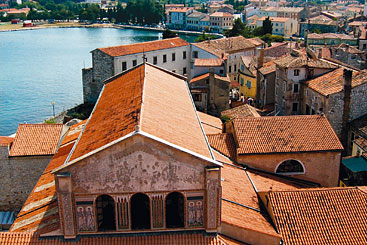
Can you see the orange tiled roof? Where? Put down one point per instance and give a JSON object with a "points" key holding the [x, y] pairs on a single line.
{"points": [[258, 135], [167, 113], [180, 10], [332, 82], [211, 124], [208, 62], [40, 212], [361, 142], [224, 143], [206, 75], [144, 47], [221, 14], [291, 61], [321, 216], [36, 139], [241, 111], [6, 141], [221, 47], [23, 238], [73, 132]]}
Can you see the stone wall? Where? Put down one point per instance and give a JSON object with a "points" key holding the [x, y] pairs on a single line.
{"points": [[18, 176], [103, 68]]}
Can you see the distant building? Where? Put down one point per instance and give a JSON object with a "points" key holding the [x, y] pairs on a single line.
{"points": [[210, 92], [320, 23], [193, 21], [177, 17], [315, 39], [281, 26], [220, 21], [172, 54], [283, 12]]}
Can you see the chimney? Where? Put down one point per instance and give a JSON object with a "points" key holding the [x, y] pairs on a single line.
{"points": [[347, 77], [260, 59]]}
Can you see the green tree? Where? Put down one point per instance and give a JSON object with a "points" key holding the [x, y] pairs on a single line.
{"points": [[237, 29], [267, 27], [205, 36], [169, 34], [258, 31]]}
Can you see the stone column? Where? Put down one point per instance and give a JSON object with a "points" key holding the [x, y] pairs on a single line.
{"points": [[213, 196], [66, 212]]}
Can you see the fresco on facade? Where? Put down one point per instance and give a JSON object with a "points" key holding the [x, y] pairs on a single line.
{"points": [[85, 218], [195, 216]]}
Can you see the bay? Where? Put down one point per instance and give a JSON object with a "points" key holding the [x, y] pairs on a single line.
{"points": [[38, 67]]}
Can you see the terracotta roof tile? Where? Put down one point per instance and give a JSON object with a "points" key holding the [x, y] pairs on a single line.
{"points": [[180, 10], [116, 113], [36, 139], [277, 50], [333, 82], [221, 47], [211, 124], [221, 14], [206, 75], [241, 111], [285, 134], [268, 67], [6, 141], [224, 143], [73, 132], [24, 238], [275, 19], [168, 113], [291, 61], [361, 142], [40, 211], [144, 47], [208, 62], [321, 216], [256, 41]]}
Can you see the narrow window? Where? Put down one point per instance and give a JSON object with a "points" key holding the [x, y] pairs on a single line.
{"points": [[124, 66], [155, 60], [294, 107], [173, 56], [229, 69], [105, 213], [296, 72], [221, 71], [295, 88], [195, 54], [164, 58], [140, 212], [196, 97], [135, 62], [175, 210], [284, 86], [184, 71], [235, 68], [184, 55]]}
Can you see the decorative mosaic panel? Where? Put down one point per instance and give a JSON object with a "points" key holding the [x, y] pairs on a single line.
{"points": [[195, 211], [85, 216]]}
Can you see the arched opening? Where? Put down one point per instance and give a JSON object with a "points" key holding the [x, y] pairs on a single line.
{"points": [[140, 212], [175, 210], [106, 213], [290, 167]]}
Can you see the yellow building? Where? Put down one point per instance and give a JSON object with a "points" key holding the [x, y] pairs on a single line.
{"points": [[247, 77]]}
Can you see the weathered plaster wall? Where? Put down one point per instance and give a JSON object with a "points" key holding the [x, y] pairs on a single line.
{"points": [[319, 166], [137, 165], [18, 176]]}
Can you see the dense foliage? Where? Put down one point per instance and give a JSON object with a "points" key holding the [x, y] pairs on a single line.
{"points": [[136, 11], [264, 32], [169, 34], [205, 36]]}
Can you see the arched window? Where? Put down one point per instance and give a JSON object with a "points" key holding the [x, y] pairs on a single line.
{"points": [[140, 212], [290, 167], [175, 210], [105, 213]]}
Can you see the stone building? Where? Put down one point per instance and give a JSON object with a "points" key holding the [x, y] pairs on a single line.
{"points": [[210, 93], [172, 54], [139, 173], [220, 21], [23, 159], [291, 72], [322, 23], [329, 94]]}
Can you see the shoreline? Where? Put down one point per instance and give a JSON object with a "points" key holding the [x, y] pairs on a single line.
{"points": [[19, 27]]}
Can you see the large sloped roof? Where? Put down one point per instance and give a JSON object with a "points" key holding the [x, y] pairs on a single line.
{"points": [[321, 216], [144, 47], [135, 101], [258, 135], [333, 82], [36, 139]]}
